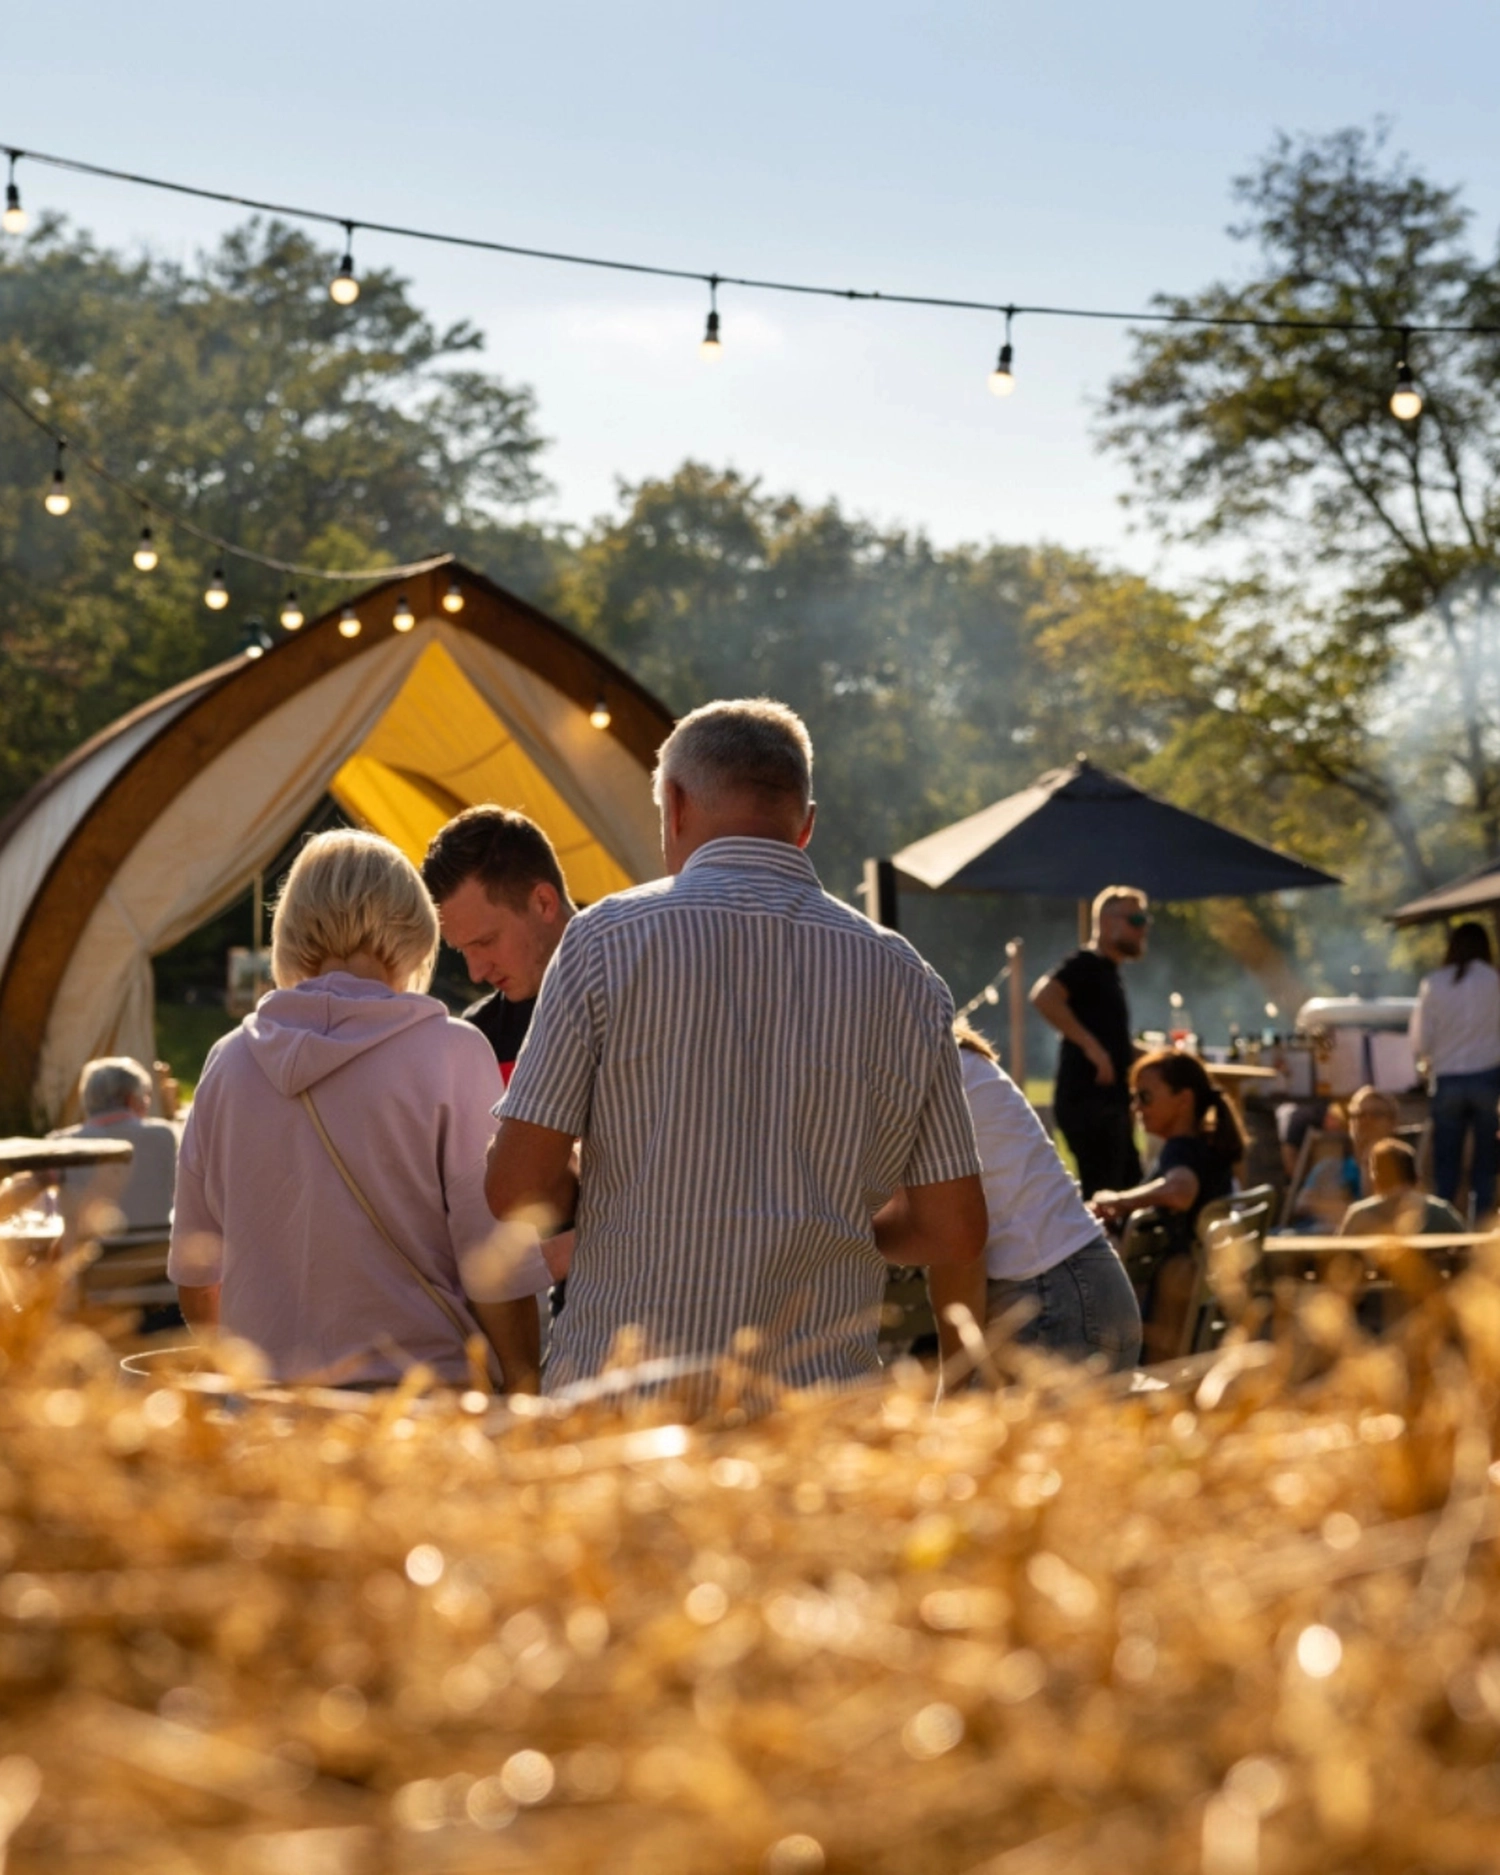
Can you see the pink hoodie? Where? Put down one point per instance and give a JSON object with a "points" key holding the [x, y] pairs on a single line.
{"points": [[405, 1093]]}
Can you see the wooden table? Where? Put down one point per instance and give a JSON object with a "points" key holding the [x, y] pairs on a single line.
{"points": [[60, 1155]]}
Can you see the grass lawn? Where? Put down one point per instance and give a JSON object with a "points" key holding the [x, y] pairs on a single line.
{"points": [[184, 1034]]}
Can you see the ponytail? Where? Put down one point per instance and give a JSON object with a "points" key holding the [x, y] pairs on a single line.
{"points": [[1215, 1119]]}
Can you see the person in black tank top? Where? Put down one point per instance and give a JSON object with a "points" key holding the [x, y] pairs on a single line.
{"points": [[1201, 1145]]}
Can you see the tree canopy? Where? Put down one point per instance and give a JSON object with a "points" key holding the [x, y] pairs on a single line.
{"points": [[1358, 632]]}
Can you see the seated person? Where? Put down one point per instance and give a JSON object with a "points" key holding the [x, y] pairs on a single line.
{"points": [[1373, 1116], [1201, 1145], [115, 1094], [1045, 1247], [330, 1199], [1332, 1182], [1399, 1208]]}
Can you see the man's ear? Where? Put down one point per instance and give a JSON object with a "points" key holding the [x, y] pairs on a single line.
{"points": [[545, 901], [674, 802], [807, 826]]}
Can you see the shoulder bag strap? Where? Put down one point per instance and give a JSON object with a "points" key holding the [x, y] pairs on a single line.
{"points": [[465, 1328]]}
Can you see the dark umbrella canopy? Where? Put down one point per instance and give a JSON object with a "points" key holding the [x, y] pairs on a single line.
{"points": [[1079, 829], [1475, 891]]}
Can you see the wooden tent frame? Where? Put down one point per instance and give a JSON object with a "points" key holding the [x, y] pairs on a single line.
{"points": [[227, 702]]}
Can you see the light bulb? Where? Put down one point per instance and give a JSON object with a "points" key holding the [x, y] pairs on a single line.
{"points": [[711, 347], [255, 649], [343, 288], [145, 555], [453, 598], [1002, 378], [57, 500], [1406, 399], [291, 613], [404, 617], [349, 625], [216, 594], [14, 219], [599, 714]]}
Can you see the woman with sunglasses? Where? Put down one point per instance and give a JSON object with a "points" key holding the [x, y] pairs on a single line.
{"points": [[1201, 1145]]}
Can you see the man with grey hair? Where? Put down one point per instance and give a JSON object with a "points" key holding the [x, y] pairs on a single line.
{"points": [[765, 1085], [115, 1093]]}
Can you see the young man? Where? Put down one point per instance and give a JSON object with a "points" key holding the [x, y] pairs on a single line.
{"points": [[502, 902], [765, 1084], [1084, 1000]]}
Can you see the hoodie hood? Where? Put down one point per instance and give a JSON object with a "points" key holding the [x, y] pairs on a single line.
{"points": [[300, 1036]]}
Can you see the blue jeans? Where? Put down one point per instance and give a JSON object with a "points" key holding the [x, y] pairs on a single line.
{"points": [[1081, 1306], [1463, 1103]]}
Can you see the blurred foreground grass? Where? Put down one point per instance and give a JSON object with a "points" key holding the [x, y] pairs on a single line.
{"points": [[1246, 1622]]}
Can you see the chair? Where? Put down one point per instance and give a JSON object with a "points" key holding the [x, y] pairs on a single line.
{"points": [[1226, 1251], [1318, 1144]]}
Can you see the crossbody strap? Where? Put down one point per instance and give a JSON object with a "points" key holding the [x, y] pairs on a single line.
{"points": [[465, 1328]]}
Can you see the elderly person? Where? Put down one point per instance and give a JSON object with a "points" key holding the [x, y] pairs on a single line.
{"points": [[1455, 1029], [764, 1082], [115, 1093], [330, 1199], [1045, 1249], [1399, 1208]]}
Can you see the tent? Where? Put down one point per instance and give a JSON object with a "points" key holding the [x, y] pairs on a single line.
{"points": [[165, 818], [1477, 891], [1079, 829]]}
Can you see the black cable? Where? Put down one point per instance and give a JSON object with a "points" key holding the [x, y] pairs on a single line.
{"points": [[170, 515], [754, 284]]}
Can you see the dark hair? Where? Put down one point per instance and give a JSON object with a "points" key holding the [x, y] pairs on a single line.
{"points": [[507, 853], [1212, 1114], [1468, 943], [1398, 1156]]}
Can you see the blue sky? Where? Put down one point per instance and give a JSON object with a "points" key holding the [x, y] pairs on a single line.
{"points": [[1076, 153]]}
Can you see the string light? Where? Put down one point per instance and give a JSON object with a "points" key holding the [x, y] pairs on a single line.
{"points": [[255, 640], [1003, 378], [599, 715], [1406, 399], [291, 613], [57, 500], [349, 625], [404, 617], [216, 593], [453, 598], [343, 288], [711, 347], [145, 556], [14, 219]]}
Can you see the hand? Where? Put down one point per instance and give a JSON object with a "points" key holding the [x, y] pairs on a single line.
{"points": [[557, 1254], [1106, 1206], [167, 1090], [1104, 1067]]}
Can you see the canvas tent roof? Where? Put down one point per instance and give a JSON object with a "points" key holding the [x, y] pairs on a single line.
{"points": [[163, 819], [1474, 891]]}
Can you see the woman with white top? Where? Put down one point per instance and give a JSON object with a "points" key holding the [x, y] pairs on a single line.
{"points": [[1455, 1029], [1045, 1248]]}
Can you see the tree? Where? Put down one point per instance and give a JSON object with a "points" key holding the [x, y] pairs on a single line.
{"points": [[236, 393], [1367, 543]]}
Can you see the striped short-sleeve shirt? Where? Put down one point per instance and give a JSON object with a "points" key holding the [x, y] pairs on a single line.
{"points": [[753, 1068]]}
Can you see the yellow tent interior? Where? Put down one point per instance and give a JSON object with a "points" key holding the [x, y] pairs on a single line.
{"points": [[163, 819]]}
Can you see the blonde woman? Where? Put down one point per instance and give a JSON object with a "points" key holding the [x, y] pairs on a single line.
{"points": [[330, 1189]]}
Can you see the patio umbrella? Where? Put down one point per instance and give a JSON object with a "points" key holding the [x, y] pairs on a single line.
{"points": [[1079, 829], [1475, 891]]}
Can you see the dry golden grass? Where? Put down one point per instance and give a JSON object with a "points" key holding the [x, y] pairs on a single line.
{"points": [[1246, 1623]]}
